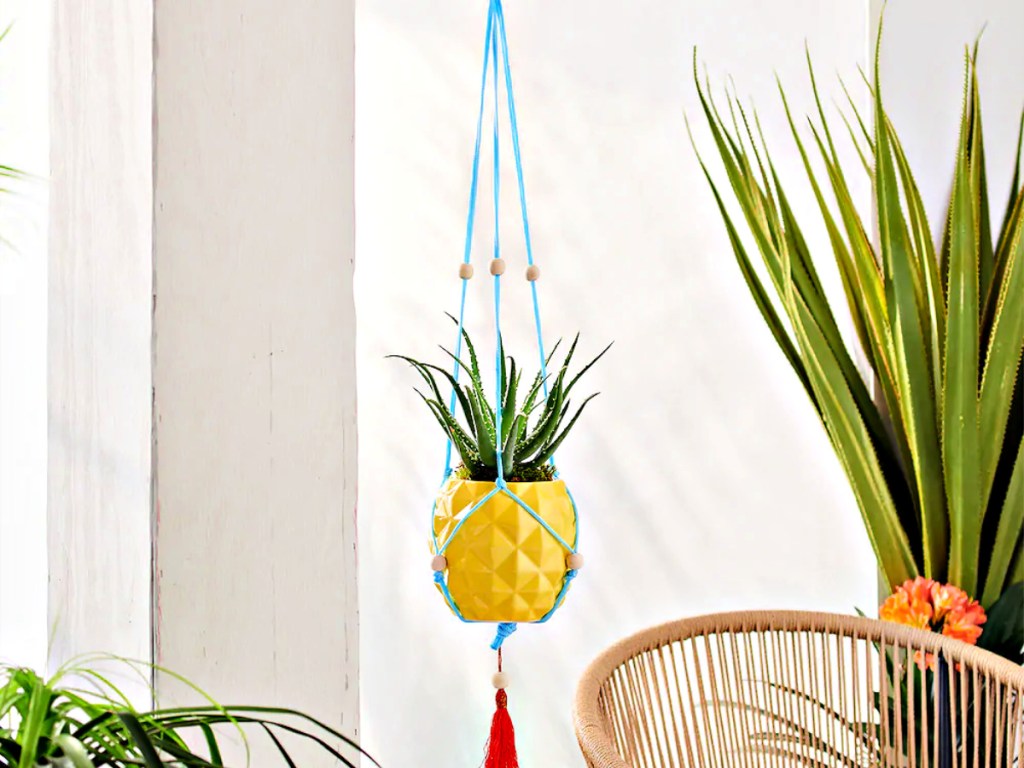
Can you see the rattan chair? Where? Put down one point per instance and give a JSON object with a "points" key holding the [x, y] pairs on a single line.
{"points": [[780, 688]]}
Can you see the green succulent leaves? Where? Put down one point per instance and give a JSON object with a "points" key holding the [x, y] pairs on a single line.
{"points": [[935, 459], [532, 426]]}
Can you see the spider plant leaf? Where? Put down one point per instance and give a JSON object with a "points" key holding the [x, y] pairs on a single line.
{"points": [[74, 751], [1008, 534], [960, 438], [1003, 358], [911, 344], [280, 747], [549, 450], [140, 739], [30, 730], [211, 744]]}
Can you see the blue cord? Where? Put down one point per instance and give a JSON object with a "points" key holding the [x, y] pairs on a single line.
{"points": [[495, 39], [468, 250]]}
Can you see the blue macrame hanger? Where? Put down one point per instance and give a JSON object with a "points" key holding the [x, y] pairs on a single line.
{"points": [[495, 44]]}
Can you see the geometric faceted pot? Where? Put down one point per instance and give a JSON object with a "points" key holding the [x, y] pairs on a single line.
{"points": [[502, 565]]}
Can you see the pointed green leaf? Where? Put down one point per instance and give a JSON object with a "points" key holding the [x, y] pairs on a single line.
{"points": [[960, 438], [913, 368]]}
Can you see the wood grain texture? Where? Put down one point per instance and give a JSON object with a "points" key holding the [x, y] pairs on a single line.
{"points": [[100, 333], [255, 353]]}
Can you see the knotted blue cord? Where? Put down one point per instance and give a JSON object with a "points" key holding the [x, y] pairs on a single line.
{"points": [[467, 252], [495, 39], [505, 629]]}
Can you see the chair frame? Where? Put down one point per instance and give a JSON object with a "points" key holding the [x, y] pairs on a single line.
{"points": [[592, 716]]}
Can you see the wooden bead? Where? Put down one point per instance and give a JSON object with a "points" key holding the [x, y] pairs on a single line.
{"points": [[532, 272], [574, 561], [439, 563], [497, 266], [465, 271], [500, 680]]}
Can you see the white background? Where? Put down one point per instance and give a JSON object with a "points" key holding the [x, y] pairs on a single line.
{"points": [[24, 134], [704, 480]]}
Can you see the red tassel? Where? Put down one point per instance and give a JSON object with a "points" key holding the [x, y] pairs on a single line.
{"points": [[501, 746]]}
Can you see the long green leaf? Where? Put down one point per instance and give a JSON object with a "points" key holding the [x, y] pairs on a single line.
{"points": [[913, 367], [485, 435], [1003, 358], [758, 292], [31, 728], [74, 751], [960, 438], [508, 410], [1008, 534], [852, 441], [149, 755]]}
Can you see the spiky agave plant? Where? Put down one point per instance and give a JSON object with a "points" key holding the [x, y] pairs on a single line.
{"points": [[533, 425], [937, 462]]}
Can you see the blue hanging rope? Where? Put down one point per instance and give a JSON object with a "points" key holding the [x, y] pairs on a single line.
{"points": [[495, 41], [514, 123], [468, 250], [499, 359]]}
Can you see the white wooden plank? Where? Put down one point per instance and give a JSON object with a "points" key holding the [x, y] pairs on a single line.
{"points": [[255, 353], [100, 333]]}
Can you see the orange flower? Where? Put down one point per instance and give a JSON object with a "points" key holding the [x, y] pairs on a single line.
{"points": [[926, 604], [923, 660], [910, 604], [964, 621]]}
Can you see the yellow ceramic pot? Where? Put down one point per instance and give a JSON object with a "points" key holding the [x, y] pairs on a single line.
{"points": [[502, 564]]}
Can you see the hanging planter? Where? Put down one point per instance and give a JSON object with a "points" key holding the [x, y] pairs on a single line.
{"points": [[504, 565], [504, 528]]}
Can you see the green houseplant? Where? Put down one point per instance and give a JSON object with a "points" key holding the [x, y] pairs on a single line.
{"points": [[79, 718], [936, 462], [504, 525], [533, 421]]}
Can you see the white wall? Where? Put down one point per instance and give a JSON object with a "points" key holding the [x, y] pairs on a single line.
{"points": [[704, 480], [24, 143]]}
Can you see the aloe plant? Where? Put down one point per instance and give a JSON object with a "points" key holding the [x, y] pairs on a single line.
{"points": [[936, 460], [79, 718], [534, 422]]}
